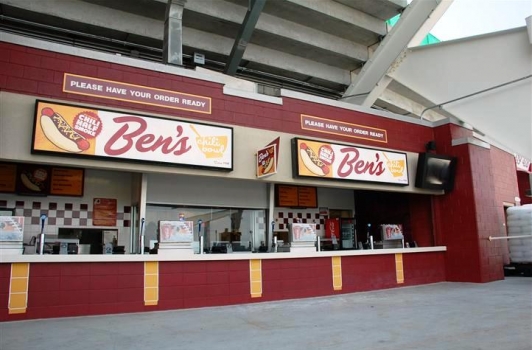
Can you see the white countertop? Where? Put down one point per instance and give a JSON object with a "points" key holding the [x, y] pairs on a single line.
{"points": [[53, 258]]}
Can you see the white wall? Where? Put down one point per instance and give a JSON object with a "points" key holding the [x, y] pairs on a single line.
{"points": [[211, 192], [450, 70]]}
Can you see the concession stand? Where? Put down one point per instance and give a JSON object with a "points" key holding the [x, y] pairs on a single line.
{"points": [[138, 190]]}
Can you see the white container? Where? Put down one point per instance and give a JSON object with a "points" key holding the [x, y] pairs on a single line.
{"points": [[519, 221]]}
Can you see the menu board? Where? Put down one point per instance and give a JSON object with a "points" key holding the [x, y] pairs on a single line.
{"points": [[41, 180], [33, 179], [8, 177], [296, 196], [307, 197], [67, 182]]}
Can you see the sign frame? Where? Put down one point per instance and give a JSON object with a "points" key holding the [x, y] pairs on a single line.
{"points": [[55, 168], [192, 137], [379, 164], [115, 90], [281, 188], [268, 156]]}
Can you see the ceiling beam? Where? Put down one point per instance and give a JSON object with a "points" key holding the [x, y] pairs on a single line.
{"points": [[244, 34], [278, 30], [342, 13], [413, 108], [393, 44]]}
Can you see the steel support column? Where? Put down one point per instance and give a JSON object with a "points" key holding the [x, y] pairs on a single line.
{"points": [[368, 84], [244, 34], [173, 32]]}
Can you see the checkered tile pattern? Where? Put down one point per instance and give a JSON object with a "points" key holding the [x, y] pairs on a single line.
{"points": [[260, 220], [305, 216], [59, 214]]}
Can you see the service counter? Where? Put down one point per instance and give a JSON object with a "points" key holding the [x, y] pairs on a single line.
{"points": [[44, 286]]}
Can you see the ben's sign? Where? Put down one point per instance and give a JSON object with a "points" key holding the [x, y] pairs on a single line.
{"points": [[88, 132], [345, 162]]}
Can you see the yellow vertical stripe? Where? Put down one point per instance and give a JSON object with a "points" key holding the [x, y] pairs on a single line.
{"points": [[151, 282], [399, 271], [255, 278], [18, 288], [337, 272]]}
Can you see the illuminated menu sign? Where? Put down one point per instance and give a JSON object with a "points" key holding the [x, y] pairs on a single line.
{"points": [[296, 196], [41, 180], [8, 177], [67, 182]]}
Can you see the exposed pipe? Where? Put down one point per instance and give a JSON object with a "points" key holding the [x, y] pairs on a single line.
{"points": [[69, 31], [355, 95], [473, 94], [490, 238]]}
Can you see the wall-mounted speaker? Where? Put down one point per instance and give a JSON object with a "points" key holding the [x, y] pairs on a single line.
{"points": [[431, 146]]}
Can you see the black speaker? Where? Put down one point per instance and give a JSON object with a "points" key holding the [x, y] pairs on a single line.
{"points": [[431, 146]]}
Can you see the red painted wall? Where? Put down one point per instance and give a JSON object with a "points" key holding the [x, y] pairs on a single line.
{"points": [[423, 268], [506, 188], [5, 276], [40, 73], [200, 284], [80, 289], [296, 278], [474, 210], [76, 289], [366, 272], [421, 220], [455, 213], [523, 180]]}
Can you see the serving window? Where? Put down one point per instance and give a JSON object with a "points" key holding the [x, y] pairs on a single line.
{"points": [[224, 230]]}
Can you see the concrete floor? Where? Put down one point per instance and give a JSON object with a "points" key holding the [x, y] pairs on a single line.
{"points": [[462, 316]]}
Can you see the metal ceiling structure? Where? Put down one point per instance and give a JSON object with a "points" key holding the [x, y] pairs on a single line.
{"points": [[313, 46], [337, 49]]}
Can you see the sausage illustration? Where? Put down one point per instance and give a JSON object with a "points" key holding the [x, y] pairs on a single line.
{"points": [[28, 183], [312, 162], [60, 133], [268, 166]]}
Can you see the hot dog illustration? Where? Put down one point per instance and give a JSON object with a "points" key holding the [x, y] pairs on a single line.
{"points": [[312, 162], [26, 181], [60, 133], [268, 166]]}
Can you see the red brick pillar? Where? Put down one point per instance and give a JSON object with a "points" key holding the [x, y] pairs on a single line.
{"points": [[467, 216]]}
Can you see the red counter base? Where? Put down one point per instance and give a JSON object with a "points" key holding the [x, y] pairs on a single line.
{"points": [[65, 289]]}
